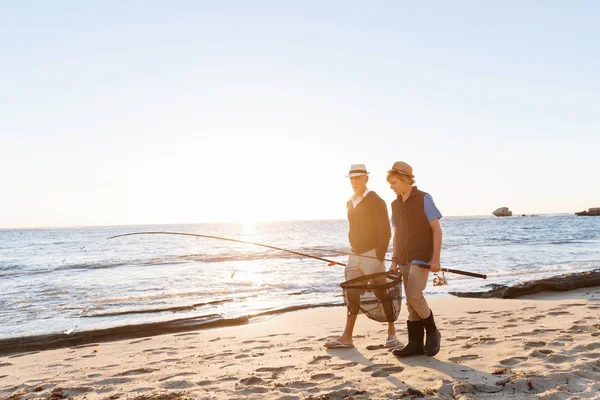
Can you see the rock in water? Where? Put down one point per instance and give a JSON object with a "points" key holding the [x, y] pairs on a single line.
{"points": [[559, 283], [591, 212], [502, 212]]}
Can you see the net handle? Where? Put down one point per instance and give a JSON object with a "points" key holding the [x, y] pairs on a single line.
{"points": [[388, 274]]}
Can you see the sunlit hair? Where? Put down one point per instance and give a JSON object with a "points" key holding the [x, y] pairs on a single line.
{"points": [[402, 177]]}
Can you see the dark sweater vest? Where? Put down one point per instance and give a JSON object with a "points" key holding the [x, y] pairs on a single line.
{"points": [[369, 225], [413, 235]]}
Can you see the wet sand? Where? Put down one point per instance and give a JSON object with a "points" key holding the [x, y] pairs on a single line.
{"points": [[543, 346]]}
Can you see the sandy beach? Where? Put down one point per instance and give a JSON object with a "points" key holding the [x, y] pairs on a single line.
{"points": [[543, 346]]}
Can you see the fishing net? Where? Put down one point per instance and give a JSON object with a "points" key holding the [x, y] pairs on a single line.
{"points": [[378, 296]]}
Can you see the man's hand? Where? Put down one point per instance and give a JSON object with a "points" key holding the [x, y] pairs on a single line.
{"points": [[434, 265]]}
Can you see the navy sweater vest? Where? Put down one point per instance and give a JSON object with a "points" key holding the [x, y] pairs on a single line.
{"points": [[369, 225]]}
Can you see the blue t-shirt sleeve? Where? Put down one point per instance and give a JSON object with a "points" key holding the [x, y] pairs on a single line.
{"points": [[431, 210]]}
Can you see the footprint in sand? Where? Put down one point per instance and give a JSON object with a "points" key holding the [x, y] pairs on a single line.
{"points": [[564, 338], [540, 353], [375, 367], [183, 384], [75, 391], [5, 364], [559, 313], [261, 347], [318, 359], [112, 381], [535, 343], [464, 357], [337, 367], [225, 353], [296, 348], [176, 375], [559, 358], [255, 341], [278, 334], [299, 385], [275, 371], [454, 339], [88, 356], [375, 347], [578, 329], [254, 389], [138, 371], [253, 380], [512, 361], [320, 377]]}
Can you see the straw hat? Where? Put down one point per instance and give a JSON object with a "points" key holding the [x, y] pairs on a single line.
{"points": [[402, 168], [357, 170]]}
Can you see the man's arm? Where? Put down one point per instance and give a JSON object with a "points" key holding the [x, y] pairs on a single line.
{"points": [[437, 245]]}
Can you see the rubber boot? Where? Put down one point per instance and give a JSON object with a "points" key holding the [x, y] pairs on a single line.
{"points": [[414, 347], [434, 337]]}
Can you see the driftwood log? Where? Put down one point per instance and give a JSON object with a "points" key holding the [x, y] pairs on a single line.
{"points": [[558, 283]]}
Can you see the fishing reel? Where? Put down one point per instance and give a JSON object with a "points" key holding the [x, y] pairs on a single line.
{"points": [[439, 280]]}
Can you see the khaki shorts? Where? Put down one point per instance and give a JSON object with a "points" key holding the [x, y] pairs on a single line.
{"points": [[360, 266]]}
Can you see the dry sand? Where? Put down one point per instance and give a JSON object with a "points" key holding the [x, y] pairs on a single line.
{"points": [[544, 346]]}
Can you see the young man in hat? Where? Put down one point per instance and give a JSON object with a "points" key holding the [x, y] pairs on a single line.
{"points": [[369, 235], [417, 241]]}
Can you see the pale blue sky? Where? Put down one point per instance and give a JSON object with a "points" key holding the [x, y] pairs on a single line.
{"points": [[134, 112]]}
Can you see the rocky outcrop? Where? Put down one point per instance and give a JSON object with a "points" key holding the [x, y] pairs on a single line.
{"points": [[591, 212], [558, 283], [502, 212]]}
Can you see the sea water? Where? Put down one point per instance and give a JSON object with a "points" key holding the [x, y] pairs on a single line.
{"points": [[75, 279]]}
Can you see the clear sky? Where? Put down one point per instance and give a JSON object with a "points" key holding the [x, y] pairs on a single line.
{"points": [[139, 112]]}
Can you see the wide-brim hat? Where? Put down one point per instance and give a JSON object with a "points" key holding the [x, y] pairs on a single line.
{"points": [[402, 168], [357, 170]]}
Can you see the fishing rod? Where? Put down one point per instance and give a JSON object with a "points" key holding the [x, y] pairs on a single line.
{"points": [[454, 271], [330, 262]]}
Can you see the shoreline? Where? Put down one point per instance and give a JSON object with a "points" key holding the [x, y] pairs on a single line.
{"points": [[51, 341], [11, 345], [540, 346]]}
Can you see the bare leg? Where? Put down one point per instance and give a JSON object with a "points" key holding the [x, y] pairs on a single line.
{"points": [[346, 337]]}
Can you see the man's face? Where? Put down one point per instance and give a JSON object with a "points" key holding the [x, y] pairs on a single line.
{"points": [[359, 184], [398, 185]]}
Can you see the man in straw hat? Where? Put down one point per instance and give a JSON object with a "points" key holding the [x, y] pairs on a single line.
{"points": [[417, 240], [369, 235]]}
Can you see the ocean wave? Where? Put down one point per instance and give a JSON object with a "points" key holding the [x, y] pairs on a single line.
{"points": [[528, 270], [173, 309]]}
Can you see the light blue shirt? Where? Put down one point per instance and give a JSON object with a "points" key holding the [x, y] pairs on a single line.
{"points": [[431, 211]]}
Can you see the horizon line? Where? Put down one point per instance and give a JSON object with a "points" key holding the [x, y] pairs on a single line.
{"points": [[266, 221]]}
